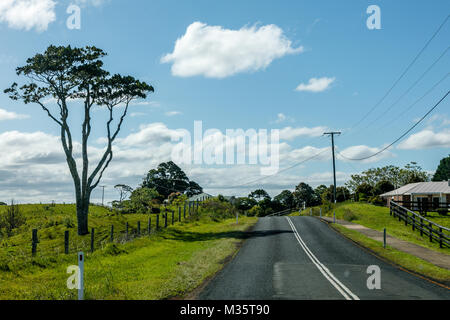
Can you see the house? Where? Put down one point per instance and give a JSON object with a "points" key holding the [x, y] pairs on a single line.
{"points": [[417, 196], [201, 197]]}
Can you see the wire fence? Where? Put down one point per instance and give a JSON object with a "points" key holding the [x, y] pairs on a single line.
{"points": [[68, 242]]}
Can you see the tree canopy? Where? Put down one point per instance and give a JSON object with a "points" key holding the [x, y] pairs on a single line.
{"points": [[443, 170], [169, 178]]}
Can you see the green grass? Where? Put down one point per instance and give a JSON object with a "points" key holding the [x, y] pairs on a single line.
{"points": [[52, 222], [400, 258], [169, 263], [378, 218]]}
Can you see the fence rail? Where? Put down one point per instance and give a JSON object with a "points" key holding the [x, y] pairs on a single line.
{"points": [[281, 213], [426, 227]]}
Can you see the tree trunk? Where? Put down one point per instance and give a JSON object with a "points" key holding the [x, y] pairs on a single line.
{"points": [[82, 215]]}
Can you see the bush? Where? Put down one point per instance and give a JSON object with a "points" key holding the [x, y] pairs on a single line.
{"points": [[217, 209], [11, 219], [376, 200], [442, 212], [68, 223], [350, 215], [255, 211]]}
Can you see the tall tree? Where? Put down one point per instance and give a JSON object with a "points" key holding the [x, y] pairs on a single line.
{"points": [[124, 190], [304, 193], [168, 178], [443, 170], [259, 195], [286, 199], [65, 74]]}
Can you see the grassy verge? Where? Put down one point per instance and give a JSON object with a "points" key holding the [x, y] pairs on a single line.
{"points": [[378, 218], [399, 258], [167, 264]]}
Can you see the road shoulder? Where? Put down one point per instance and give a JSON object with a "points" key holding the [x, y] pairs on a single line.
{"points": [[401, 256]]}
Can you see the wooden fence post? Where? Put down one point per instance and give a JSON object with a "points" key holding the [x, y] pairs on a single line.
{"points": [[157, 222], [421, 227], [92, 239], [66, 242], [431, 232], [165, 218], [112, 233], [149, 227], [34, 241], [139, 228], [126, 231], [440, 238]]}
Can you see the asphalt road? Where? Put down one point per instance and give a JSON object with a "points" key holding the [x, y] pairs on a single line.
{"points": [[302, 258]]}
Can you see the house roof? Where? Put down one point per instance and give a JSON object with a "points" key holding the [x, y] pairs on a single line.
{"points": [[421, 188], [200, 197]]}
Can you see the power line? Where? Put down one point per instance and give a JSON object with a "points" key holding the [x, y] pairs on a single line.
{"points": [[281, 171], [415, 102], [410, 88], [403, 135], [402, 75]]}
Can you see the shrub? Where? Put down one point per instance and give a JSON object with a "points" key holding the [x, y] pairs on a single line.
{"points": [[217, 209], [350, 215], [113, 250], [376, 200], [442, 212], [256, 211], [68, 223], [11, 219]]}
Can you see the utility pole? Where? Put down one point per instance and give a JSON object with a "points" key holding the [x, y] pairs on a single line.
{"points": [[103, 194], [332, 134]]}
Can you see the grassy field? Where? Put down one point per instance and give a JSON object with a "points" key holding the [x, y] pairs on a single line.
{"points": [[378, 218], [166, 264]]}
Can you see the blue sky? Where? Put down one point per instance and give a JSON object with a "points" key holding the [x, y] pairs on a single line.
{"points": [[302, 41]]}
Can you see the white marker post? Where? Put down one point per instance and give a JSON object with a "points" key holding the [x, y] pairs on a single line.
{"points": [[310, 212], [81, 275], [321, 213], [237, 217]]}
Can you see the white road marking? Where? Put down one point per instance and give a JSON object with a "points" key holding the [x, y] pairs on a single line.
{"points": [[324, 270]]}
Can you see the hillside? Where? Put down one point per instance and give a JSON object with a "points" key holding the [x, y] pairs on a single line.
{"points": [[163, 264]]}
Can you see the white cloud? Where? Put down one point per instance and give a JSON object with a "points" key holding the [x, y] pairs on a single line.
{"points": [[362, 151], [28, 14], [216, 52], [281, 117], [289, 133], [427, 139], [316, 84], [173, 113], [7, 115], [33, 167], [95, 3]]}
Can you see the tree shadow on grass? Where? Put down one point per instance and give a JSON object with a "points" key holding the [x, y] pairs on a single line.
{"points": [[206, 236]]}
